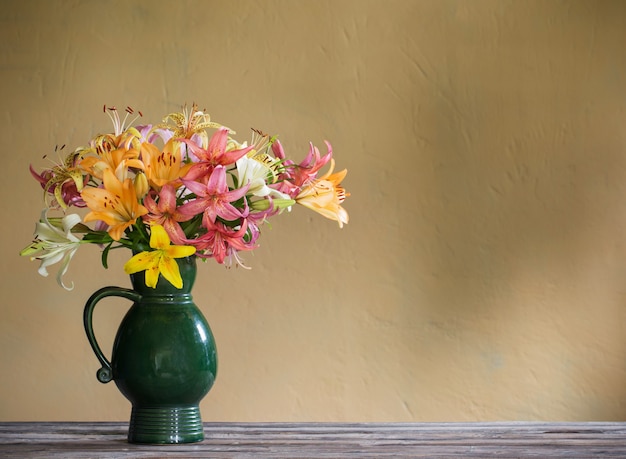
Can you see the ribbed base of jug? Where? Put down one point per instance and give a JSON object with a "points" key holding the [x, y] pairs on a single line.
{"points": [[165, 425]]}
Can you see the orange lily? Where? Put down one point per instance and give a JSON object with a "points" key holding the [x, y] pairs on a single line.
{"points": [[165, 166], [116, 204], [118, 160], [325, 195], [124, 136]]}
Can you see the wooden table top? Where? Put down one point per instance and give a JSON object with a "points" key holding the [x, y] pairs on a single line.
{"points": [[106, 440]]}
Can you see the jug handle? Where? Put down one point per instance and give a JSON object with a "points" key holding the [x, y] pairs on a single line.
{"points": [[104, 374]]}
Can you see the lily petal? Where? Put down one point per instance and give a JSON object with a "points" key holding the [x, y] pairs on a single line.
{"points": [[159, 238], [140, 262], [169, 269]]}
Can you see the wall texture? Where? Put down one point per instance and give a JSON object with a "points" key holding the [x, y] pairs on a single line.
{"points": [[482, 274]]}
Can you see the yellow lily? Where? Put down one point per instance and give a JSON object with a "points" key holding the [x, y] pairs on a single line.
{"points": [[161, 260], [325, 195], [116, 204], [189, 122]]}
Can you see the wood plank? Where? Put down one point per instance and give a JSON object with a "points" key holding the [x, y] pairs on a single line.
{"points": [[323, 440]]}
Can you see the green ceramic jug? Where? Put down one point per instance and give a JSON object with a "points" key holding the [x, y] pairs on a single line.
{"points": [[164, 358]]}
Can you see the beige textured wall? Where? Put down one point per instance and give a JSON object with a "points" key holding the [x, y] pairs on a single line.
{"points": [[482, 275]]}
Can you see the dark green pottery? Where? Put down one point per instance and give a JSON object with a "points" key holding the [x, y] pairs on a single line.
{"points": [[164, 358]]}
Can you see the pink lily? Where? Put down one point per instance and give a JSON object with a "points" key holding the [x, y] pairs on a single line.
{"points": [[298, 175], [311, 164], [215, 154], [213, 199], [221, 241], [69, 191], [166, 214], [256, 218]]}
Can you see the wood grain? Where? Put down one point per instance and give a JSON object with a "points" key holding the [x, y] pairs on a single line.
{"points": [[323, 440]]}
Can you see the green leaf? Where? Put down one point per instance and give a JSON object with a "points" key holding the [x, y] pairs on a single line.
{"points": [[97, 237], [105, 255]]}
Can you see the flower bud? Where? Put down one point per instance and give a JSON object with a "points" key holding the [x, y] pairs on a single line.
{"points": [[264, 204], [141, 185]]}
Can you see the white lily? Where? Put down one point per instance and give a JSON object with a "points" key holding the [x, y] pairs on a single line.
{"points": [[54, 244], [255, 172]]}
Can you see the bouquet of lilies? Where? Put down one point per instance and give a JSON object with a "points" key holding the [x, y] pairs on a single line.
{"points": [[170, 191]]}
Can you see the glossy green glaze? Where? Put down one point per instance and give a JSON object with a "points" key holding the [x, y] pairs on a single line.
{"points": [[164, 358]]}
